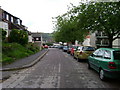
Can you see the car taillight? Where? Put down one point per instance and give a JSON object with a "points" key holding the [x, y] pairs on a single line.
{"points": [[81, 52], [112, 65]]}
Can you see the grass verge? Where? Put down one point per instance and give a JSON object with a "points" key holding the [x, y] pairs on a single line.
{"points": [[13, 51]]}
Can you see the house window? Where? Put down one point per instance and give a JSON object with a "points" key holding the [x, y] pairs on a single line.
{"points": [[18, 21], [105, 42], [7, 16], [37, 39], [12, 19]]}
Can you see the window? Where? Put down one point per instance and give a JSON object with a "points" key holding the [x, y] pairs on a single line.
{"points": [[7, 16], [105, 42], [37, 39], [96, 52], [88, 48], [12, 19], [116, 55], [100, 53], [107, 54], [18, 21], [79, 48]]}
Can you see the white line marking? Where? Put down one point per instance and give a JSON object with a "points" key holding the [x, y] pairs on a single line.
{"points": [[59, 69], [58, 86]]}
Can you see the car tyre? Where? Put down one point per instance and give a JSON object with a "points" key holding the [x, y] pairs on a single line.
{"points": [[74, 57], [88, 65], [77, 59], [101, 75]]}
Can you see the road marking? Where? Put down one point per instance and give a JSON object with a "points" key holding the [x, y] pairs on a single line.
{"points": [[59, 68], [58, 86]]}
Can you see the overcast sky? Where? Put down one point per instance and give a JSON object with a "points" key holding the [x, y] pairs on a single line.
{"points": [[37, 14]]}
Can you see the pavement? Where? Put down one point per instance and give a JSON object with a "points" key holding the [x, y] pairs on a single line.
{"points": [[26, 62]]}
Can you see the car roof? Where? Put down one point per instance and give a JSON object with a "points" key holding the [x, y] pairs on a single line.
{"points": [[111, 49]]}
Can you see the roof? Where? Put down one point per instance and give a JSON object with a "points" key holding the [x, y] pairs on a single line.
{"points": [[111, 49], [36, 34]]}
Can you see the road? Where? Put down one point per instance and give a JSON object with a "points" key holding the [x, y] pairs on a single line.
{"points": [[58, 69]]}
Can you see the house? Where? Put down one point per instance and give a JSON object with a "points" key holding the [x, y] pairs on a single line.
{"points": [[9, 22], [47, 38], [87, 41], [37, 38], [100, 39]]}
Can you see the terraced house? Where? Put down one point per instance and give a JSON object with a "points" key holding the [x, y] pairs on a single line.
{"points": [[9, 22]]}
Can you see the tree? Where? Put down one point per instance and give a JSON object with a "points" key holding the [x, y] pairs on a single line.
{"points": [[67, 29], [19, 36], [90, 17], [104, 17]]}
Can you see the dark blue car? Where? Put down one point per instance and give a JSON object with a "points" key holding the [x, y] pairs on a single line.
{"points": [[65, 48]]}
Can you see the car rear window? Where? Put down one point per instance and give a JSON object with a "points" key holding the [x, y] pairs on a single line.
{"points": [[116, 55], [65, 46], [88, 48]]}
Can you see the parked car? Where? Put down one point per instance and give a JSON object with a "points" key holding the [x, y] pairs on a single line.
{"points": [[65, 48], [51, 46], [83, 52], [60, 47], [69, 49], [56, 46], [45, 46], [73, 49], [106, 61]]}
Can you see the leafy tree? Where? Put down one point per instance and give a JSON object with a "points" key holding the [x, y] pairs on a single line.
{"points": [[19, 36], [67, 29], [103, 16], [89, 17]]}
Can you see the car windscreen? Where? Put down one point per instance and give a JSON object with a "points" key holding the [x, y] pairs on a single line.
{"points": [[88, 48], [116, 55]]}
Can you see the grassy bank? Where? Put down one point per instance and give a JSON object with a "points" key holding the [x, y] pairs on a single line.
{"points": [[14, 51]]}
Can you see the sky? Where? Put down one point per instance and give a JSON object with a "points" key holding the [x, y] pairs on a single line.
{"points": [[37, 14]]}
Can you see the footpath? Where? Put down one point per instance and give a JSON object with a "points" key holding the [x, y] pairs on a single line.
{"points": [[27, 62]]}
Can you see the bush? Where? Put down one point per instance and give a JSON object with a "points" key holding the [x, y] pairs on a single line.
{"points": [[19, 36], [3, 34], [32, 47]]}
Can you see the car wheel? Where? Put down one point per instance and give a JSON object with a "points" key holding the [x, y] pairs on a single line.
{"points": [[77, 59], [88, 65], [101, 75], [74, 57]]}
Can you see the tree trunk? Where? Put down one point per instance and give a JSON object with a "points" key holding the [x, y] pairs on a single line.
{"points": [[110, 42]]}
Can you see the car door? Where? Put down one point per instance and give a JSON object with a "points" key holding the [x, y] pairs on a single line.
{"points": [[92, 58], [107, 58], [98, 59], [76, 52]]}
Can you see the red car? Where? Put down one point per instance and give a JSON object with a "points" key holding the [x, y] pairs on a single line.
{"points": [[73, 49], [46, 46]]}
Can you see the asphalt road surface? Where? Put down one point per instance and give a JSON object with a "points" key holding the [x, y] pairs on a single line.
{"points": [[57, 69]]}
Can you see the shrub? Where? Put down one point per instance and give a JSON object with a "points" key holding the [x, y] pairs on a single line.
{"points": [[19, 36], [32, 47], [3, 34]]}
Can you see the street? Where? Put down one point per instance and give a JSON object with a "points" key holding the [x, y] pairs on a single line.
{"points": [[57, 69]]}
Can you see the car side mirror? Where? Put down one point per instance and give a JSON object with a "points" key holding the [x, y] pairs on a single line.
{"points": [[92, 55]]}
